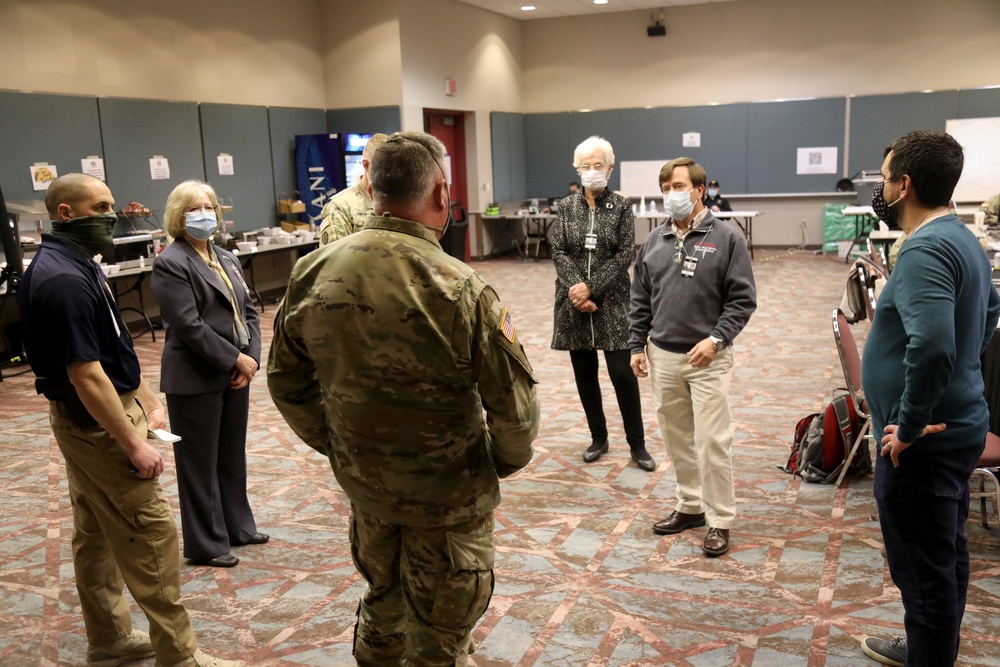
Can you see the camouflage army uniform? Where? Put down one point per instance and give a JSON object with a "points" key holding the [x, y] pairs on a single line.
{"points": [[992, 208], [345, 213], [386, 351]]}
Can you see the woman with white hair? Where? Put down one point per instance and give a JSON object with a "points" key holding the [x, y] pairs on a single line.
{"points": [[593, 244], [211, 355]]}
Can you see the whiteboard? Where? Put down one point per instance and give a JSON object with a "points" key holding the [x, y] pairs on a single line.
{"points": [[980, 137], [641, 178]]}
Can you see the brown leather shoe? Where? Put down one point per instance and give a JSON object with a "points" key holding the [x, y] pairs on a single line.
{"points": [[716, 542], [678, 521]]}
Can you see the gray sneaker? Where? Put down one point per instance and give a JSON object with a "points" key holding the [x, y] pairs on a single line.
{"points": [[891, 652]]}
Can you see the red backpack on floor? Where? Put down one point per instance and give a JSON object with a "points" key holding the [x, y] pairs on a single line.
{"points": [[821, 442]]}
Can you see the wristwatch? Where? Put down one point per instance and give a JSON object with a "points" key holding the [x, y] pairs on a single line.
{"points": [[717, 343]]}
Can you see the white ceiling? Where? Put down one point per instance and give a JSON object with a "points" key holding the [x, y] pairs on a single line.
{"points": [[547, 9]]}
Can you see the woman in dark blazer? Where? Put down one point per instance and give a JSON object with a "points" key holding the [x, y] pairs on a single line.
{"points": [[593, 244], [211, 354]]}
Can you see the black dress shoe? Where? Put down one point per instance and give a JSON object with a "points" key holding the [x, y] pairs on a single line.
{"points": [[677, 522], [716, 542], [258, 538], [225, 560], [643, 459], [595, 451]]}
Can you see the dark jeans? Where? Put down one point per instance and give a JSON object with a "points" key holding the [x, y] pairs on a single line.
{"points": [[626, 386], [923, 505]]}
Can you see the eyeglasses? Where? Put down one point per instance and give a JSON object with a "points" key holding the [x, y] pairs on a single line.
{"points": [[600, 166], [200, 209]]}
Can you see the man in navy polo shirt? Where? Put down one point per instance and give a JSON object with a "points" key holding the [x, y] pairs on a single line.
{"points": [[100, 409]]}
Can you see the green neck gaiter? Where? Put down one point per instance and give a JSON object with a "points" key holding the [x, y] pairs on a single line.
{"points": [[91, 234]]}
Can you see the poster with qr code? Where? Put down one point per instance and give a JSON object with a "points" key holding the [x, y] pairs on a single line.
{"points": [[821, 160]]}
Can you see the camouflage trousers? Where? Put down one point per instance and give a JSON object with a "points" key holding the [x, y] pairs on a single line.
{"points": [[427, 588]]}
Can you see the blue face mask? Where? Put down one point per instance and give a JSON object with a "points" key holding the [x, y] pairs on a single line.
{"points": [[712, 192], [200, 225]]}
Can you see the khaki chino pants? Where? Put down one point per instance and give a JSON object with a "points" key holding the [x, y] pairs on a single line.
{"points": [[692, 409], [123, 532]]}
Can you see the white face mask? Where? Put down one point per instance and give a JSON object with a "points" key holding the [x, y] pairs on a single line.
{"points": [[678, 204], [594, 180]]}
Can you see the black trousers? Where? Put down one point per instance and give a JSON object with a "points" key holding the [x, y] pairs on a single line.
{"points": [[626, 386], [923, 505], [211, 460]]}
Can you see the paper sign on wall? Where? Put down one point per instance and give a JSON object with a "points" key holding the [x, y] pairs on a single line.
{"points": [[225, 164], [821, 160], [159, 168], [691, 140], [42, 173], [93, 166]]}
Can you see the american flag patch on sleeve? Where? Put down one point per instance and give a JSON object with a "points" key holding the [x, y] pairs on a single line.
{"points": [[507, 327]]}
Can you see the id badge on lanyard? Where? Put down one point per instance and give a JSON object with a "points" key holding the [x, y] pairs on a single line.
{"points": [[690, 264]]}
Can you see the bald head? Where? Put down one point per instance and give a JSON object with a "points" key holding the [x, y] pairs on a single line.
{"points": [[77, 195]]}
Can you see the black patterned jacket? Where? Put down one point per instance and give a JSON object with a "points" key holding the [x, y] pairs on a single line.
{"points": [[604, 270]]}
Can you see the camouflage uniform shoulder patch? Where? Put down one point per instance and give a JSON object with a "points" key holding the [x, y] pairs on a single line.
{"points": [[503, 332], [507, 327]]}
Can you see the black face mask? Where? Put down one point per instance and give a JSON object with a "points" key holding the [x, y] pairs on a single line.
{"points": [[883, 209], [91, 233]]}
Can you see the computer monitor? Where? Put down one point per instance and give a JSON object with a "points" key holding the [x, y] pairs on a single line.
{"points": [[355, 143], [12, 272]]}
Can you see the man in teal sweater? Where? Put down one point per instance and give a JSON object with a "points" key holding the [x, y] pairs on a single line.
{"points": [[924, 388]]}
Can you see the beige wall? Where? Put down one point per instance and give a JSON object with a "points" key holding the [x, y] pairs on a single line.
{"points": [[480, 50], [760, 50], [226, 51], [362, 59]]}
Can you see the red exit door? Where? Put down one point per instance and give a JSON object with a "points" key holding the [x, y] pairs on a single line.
{"points": [[449, 128]]}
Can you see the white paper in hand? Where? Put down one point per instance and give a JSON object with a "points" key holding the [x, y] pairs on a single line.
{"points": [[164, 436]]}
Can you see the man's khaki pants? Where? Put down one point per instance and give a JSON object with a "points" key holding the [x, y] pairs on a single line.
{"points": [[692, 409], [123, 532]]}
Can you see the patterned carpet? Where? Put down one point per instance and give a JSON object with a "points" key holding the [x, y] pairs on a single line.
{"points": [[581, 579]]}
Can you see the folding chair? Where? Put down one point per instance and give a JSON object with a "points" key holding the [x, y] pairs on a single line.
{"points": [[987, 471], [866, 284], [878, 256], [850, 361]]}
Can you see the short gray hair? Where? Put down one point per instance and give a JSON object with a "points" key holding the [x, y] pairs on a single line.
{"points": [[406, 166], [372, 145], [589, 146]]}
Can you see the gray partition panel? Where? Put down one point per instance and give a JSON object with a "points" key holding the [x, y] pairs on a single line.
{"points": [[364, 120], [979, 103], [878, 119], [723, 150], [632, 133], [500, 140], [507, 137], [284, 124], [518, 159], [57, 129], [240, 131], [548, 154], [775, 132], [137, 130]]}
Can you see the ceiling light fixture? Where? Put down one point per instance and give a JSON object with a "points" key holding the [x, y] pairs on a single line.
{"points": [[528, 8], [600, 2]]}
